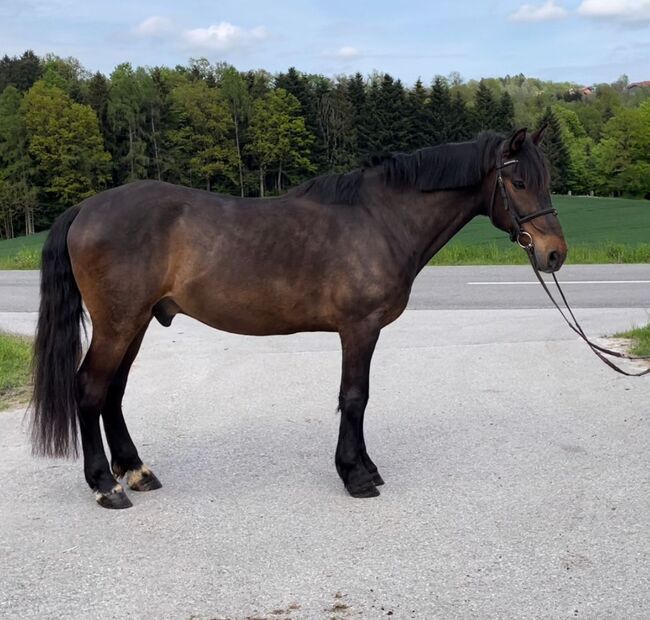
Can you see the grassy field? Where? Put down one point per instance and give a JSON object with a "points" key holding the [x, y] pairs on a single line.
{"points": [[22, 252], [15, 361], [597, 230]]}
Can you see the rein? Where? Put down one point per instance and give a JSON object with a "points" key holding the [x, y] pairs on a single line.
{"points": [[525, 241]]}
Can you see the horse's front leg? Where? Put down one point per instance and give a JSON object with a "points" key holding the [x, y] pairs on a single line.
{"points": [[353, 464]]}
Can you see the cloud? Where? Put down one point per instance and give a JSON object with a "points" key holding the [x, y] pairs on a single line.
{"points": [[154, 26], [626, 11], [347, 52], [538, 13], [224, 36]]}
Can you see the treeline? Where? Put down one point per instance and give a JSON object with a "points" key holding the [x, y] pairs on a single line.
{"points": [[66, 134]]}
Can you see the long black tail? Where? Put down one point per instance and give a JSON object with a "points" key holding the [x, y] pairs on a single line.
{"points": [[57, 348]]}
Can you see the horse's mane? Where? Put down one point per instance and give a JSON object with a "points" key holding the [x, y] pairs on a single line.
{"points": [[443, 167]]}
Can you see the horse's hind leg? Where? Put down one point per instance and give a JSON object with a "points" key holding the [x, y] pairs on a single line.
{"points": [[125, 460], [93, 379], [353, 464]]}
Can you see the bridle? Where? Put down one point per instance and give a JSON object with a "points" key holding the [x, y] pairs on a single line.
{"points": [[525, 240], [516, 232]]}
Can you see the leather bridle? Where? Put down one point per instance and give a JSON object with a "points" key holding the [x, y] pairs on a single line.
{"points": [[516, 232], [525, 240]]}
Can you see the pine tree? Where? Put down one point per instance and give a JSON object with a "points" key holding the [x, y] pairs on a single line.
{"points": [[506, 115], [556, 152], [335, 116], [461, 122], [418, 118], [356, 93], [486, 109], [440, 130], [20, 72], [389, 104]]}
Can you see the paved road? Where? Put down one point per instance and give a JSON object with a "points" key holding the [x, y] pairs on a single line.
{"points": [[516, 467], [437, 288]]}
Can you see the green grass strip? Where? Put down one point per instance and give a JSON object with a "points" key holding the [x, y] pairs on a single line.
{"points": [[640, 337], [15, 369]]}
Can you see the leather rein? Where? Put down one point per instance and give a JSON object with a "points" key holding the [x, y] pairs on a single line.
{"points": [[525, 240]]}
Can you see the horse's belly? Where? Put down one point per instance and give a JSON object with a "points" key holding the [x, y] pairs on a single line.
{"points": [[261, 311]]}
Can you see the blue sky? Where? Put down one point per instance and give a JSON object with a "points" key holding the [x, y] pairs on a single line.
{"points": [[580, 40]]}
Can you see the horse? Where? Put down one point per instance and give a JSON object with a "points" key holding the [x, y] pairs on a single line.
{"points": [[338, 253]]}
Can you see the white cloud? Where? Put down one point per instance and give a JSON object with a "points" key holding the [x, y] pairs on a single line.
{"points": [[629, 11], [223, 36], [154, 26], [538, 13], [347, 52]]}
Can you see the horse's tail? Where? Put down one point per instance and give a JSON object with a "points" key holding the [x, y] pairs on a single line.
{"points": [[57, 348]]}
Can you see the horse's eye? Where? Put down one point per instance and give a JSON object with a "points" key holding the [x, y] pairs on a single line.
{"points": [[519, 184]]}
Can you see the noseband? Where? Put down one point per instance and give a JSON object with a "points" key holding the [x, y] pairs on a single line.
{"points": [[523, 238]]}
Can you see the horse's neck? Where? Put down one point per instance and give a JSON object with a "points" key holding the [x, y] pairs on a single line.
{"points": [[426, 221]]}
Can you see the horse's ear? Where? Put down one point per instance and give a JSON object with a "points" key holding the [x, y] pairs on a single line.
{"points": [[516, 141], [539, 134]]}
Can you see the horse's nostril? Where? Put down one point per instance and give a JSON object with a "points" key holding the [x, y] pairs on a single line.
{"points": [[553, 259]]}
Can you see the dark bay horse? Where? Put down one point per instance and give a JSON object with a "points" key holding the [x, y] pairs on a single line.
{"points": [[338, 253]]}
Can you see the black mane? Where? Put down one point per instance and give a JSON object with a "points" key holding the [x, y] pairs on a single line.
{"points": [[443, 167]]}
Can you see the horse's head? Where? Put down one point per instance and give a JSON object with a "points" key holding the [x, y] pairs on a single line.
{"points": [[520, 199]]}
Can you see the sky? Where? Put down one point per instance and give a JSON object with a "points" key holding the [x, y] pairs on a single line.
{"points": [[583, 41]]}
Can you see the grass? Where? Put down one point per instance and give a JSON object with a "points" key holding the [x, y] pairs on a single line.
{"points": [[22, 252], [597, 230], [640, 337], [15, 363]]}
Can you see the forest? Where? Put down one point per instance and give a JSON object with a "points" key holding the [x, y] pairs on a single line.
{"points": [[66, 133]]}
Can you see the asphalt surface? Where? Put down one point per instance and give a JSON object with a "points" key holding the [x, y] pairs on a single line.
{"points": [[439, 288], [516, 468]]}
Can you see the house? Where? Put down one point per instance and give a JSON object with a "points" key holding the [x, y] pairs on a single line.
{"points": [[644, 84]]}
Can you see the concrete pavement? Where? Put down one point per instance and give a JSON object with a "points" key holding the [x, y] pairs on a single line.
{"points": [[516, 468]]}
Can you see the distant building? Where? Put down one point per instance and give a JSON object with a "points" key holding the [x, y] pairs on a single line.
{"points": [[644, 84]]}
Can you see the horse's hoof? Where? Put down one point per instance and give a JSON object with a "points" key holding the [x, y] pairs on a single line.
{"points": [[368, 490], [377, 479], [115, 499], [142, 479]]}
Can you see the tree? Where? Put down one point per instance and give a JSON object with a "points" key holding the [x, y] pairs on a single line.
{"points": [[127, 113], [97, 97], [65, 73], [418, 118], [356, 93], [20, 72], [486, 109], [278, 135], [235, 91], [581, 178], [336, 118], [460, 119], [65, 145], [623, 154], [440, 130], [506, 113], [17, 195], [201, 139], [556, 151]]}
